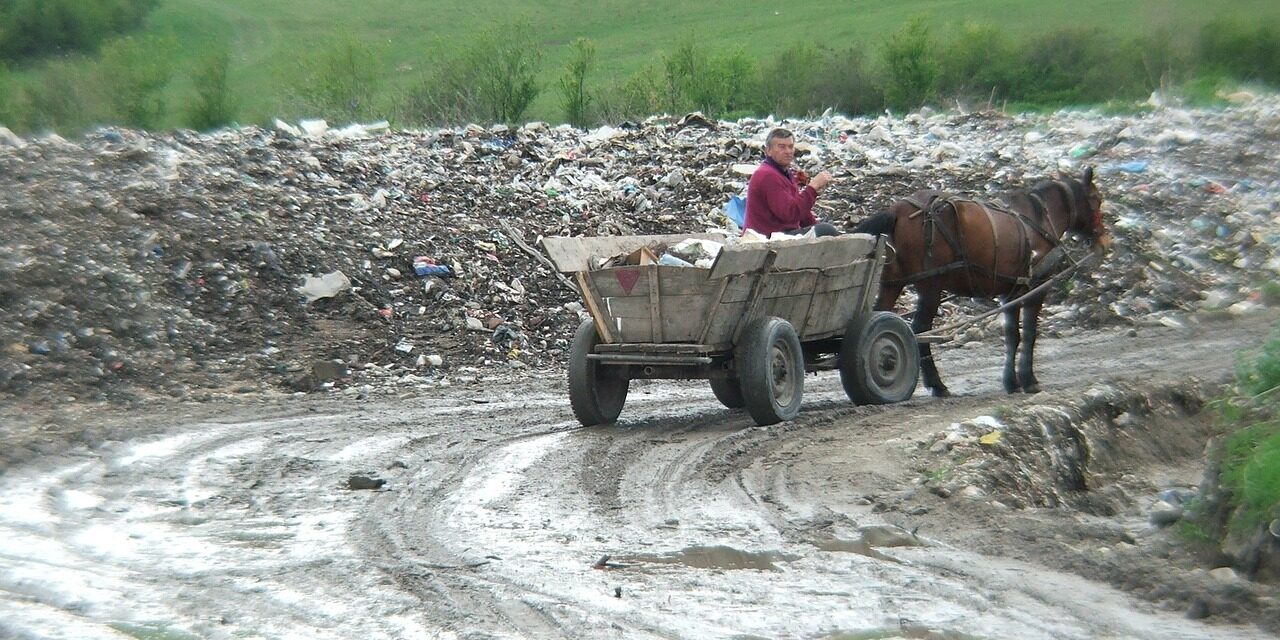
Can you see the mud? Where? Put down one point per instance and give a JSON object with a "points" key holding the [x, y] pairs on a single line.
{"points": [[496, 510]]}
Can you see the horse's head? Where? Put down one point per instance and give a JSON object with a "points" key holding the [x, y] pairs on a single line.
{"points": [[1086, 213]]}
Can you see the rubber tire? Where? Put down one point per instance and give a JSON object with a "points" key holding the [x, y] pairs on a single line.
{"points": [[879, 359], [729, 392], [595, 398], [771, 368]]}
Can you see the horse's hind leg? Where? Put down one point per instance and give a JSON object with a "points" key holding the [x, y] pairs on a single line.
{"points": [[926, 309], [1011, 339], [1030, 326]]}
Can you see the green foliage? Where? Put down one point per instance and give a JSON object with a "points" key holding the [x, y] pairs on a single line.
{"points": [[635, 97], [135, 72], [1271, 292], [214, 104], [1257, 378], [911, 65], [712, 82], [33, 28], [807, 79], [1251, 469], [1250, 457], [8, 98], [62, 99], [1245, 50], [574, 97], [1068, 66], [980, 62], [493, 77], [340, 80]]}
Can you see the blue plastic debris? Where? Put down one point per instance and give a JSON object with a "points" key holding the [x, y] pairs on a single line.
{"points": [[736, 209]]}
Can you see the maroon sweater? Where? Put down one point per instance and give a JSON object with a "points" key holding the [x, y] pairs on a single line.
{"points": [[775, 202]]}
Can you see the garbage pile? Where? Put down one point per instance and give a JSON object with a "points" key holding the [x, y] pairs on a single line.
{"points": [[299, 258]]}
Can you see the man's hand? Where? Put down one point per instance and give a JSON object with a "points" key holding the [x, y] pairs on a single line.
{"points": [[820, 181], [802, 178]]}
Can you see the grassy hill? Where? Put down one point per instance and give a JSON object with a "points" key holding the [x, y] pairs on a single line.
{"points": [[268, 38]]}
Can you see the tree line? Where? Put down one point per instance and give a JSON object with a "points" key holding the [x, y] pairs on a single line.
{"points": [[496, 75]]}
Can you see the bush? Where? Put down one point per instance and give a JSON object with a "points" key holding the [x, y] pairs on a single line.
{"points": [[714, 83], [1242, 50], [1071, 66], [910, 65], [214, 105], [135, 72], [32, 28], [492, 78], [59, 99], [339, 81], [634, 98], [8, 99], [1249, 459], [806, 80], [574, 98], [979, 63]]}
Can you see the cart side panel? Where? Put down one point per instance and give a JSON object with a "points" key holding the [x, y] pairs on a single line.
{"points": [[840, 294], [685, 298]]}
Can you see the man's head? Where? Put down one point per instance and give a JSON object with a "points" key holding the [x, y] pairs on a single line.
{"points": [[781, 146]]}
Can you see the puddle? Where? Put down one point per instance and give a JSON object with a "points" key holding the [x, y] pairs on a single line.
{"points": [[718, 557]]}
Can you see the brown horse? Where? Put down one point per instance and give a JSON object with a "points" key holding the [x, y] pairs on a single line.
{"points": [[942, 243]]}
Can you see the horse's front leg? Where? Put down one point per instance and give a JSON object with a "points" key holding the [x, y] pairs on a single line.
{"points": [[1030, 326], [1011, 339], [926, 310]]}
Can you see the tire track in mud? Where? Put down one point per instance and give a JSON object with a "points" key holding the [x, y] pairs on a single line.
{"points": [[496, 509]]}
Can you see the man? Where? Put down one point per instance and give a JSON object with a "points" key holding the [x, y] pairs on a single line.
{"points": [[781, 199]]}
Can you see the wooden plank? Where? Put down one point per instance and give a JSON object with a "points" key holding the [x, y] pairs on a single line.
{"points": [[646, 347], [574, 254], [793, 254], [720, 335], [715, 307], [655, 307], [832, 310], [592, 298], [753, 301], [793, 309], [614, 283]]}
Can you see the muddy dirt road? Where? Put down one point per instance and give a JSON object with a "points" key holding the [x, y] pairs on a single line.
{"points": [[496, 505]]}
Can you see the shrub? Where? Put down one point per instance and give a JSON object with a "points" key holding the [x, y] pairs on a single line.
{"points": [[1242, 50], [492, 78], [339, 81], [849, 84], [1070, 66], [214, 105], [574, 97], [59, 99], [979, 63], [34, 28], [633, 98], [714, 83], [787, 81], [135, 72], [910, 65]]}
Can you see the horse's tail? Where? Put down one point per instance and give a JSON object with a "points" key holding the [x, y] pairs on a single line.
{"points": [[881, 223]]}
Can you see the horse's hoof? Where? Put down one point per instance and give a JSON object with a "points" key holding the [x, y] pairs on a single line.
{"points": [[941, 392], [1012, 390], [1032, 388]]}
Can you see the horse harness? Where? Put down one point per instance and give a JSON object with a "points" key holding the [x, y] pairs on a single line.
{"points": [[933, 204]]}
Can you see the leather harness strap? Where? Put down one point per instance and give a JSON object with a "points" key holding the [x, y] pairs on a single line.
{"points": [[932, 207]]}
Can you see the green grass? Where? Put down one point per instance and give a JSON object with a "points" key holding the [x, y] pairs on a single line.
{"points": [[1251, 468], [267, 38]]}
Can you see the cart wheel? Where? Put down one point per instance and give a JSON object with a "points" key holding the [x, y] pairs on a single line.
{"points": [[729, 392], [596, 396], [771, 367], [879, 359]]}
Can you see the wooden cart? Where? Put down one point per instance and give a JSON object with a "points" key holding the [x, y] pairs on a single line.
{"points": [[753, 324]]}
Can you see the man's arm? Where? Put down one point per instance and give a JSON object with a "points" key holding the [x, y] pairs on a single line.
{"points": [[791, 208]]}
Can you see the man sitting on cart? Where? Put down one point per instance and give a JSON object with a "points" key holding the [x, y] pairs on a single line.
{"points": [[780, 198]]}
